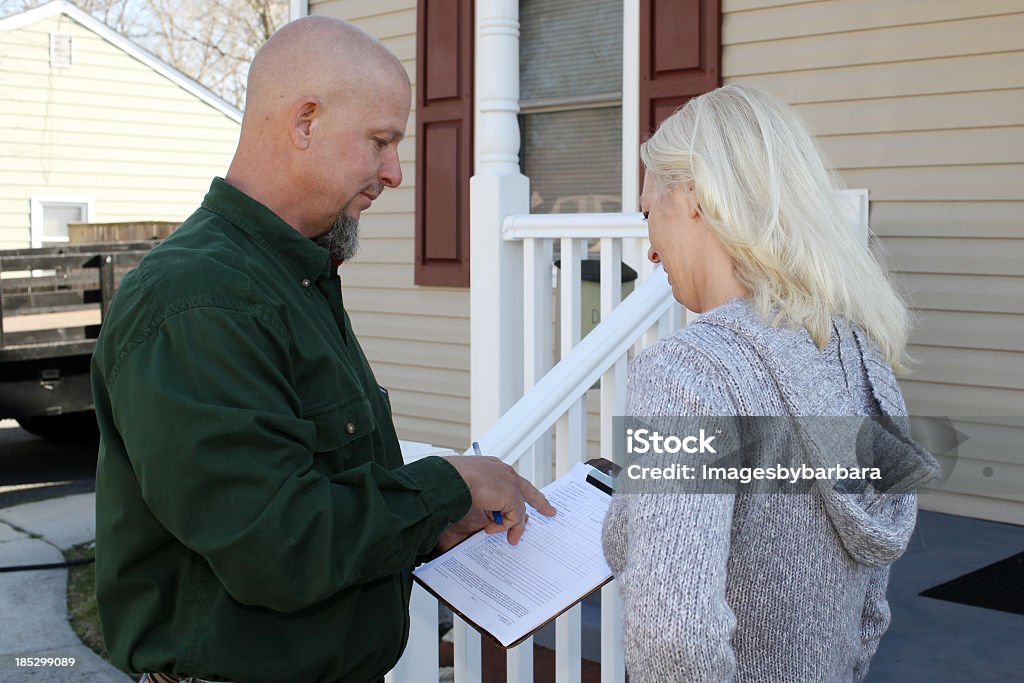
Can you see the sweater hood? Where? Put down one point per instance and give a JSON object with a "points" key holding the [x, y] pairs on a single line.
{"points": [[873, 519]]}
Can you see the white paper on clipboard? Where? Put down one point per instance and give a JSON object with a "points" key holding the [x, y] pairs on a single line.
{"points": [[510, 591]]}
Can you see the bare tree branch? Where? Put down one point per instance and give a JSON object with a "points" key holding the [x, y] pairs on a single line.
{"points": [[211, 41]]}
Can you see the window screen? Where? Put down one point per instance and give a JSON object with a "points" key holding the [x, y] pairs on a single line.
{"points": [[573, 160], [569, 48], [570, 95], [57, 215]]}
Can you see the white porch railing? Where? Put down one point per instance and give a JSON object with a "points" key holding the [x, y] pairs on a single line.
{"points": [[555, 398]]}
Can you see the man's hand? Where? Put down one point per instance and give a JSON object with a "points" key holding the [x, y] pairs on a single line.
{"points": [[496, 486]]}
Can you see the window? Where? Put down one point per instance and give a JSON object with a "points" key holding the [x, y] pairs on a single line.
{"points": [[60, 50], [570, 61], [52, 214], [570, 107]]}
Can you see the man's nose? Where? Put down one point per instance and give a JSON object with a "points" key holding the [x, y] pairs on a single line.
{"points": [[391, 171], [652, 256]]}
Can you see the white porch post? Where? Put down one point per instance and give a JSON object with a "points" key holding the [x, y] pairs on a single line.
{"points": [[496, 190], [297, 9], [630, 105], [496, 272], [635, 251]]}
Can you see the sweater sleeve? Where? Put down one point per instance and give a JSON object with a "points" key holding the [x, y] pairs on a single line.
{"points": [[670, 551]]}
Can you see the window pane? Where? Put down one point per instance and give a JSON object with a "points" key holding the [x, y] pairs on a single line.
{"points": [[573, 160], [569, 48], [56, 218]]}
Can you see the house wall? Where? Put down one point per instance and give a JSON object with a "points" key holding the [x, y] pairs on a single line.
{"points": [[417, 338], [109, 127], [922, 102]]}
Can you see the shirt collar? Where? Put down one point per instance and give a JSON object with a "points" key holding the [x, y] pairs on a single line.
{"points": [[307, 259]]}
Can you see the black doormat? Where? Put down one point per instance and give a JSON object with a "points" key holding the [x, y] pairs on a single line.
{"points": [[998, 586]]}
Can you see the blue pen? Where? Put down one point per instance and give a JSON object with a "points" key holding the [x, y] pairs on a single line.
{"points": [[496, 514]]}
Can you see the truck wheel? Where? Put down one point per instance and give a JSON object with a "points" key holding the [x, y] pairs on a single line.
{"points": [[69, 427]]}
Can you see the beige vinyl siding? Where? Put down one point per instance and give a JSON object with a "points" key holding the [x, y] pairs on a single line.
{"points": [[922, 102], [109, 128], [416, 338]]}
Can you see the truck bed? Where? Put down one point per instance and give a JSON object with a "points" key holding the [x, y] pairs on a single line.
{"points": [[52, 302]]}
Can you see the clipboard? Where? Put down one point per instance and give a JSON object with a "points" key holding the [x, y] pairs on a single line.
{"points": [[600, 477], [491, 637]]}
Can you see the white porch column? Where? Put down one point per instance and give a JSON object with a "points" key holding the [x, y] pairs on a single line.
{"points": [[496, 267], [634, 251], [297, 9], [496, 190]]}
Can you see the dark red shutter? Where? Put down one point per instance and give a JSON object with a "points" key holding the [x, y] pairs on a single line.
{"points": [[680, 56], [444, 141]]}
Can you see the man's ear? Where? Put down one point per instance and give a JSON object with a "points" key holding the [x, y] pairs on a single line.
{"points": [[304, 122]]}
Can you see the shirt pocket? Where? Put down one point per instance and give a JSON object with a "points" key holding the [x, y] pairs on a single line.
{"points": [[344, 431]]}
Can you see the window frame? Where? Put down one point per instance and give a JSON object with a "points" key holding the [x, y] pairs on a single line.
{"points": [[39, 201], [55, 38]]}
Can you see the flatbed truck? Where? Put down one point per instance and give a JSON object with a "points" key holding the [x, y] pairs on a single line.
{"points": [[52, 303]]}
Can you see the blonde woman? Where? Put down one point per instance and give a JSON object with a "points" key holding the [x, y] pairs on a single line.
{"points": [[798, 320]]}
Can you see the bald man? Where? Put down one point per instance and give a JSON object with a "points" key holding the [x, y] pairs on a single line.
{"points": [[255, 522]]}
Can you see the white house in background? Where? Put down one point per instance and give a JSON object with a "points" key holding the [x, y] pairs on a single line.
{"points": [[919, 102], [94, 128]]}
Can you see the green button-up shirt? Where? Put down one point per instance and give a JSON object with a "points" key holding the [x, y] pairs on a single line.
{"points": [[254, 520]]}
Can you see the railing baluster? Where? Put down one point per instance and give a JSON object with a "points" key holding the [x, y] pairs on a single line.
{"points": [[468, 664], [613, 659], [613, 404], [613, 391], [570, 444], [421, 654], [535, 465], [538, 319], [569, 289], [519, 663], [568, 648], [570, 429]]}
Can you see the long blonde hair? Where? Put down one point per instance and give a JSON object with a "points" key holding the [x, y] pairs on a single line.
{"points": [[765, 191]]}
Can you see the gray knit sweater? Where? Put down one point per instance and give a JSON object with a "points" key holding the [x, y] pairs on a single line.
{"points": [[759, 587]]}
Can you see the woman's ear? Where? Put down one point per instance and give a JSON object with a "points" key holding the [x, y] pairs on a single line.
{"points": [[304, 122], [693, 204]]}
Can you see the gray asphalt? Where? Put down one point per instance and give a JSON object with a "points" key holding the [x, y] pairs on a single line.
{"points": [[32, 468]]}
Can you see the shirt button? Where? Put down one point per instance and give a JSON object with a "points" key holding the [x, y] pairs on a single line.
{"points": [[306, 282], [350, 428]]}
